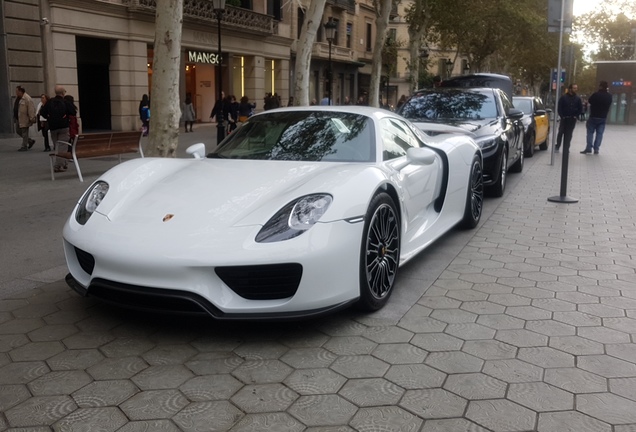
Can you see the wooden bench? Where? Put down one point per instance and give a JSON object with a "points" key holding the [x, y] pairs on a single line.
{"points": [[94, 146]]}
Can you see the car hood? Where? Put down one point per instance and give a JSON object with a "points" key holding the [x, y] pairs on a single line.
{"points": [[476, 128], [229, 193]]}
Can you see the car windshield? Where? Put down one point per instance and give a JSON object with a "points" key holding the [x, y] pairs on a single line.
{"points": [[302, 136], [524, 105], [450, 105]]}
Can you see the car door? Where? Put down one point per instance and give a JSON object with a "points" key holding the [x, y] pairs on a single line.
{"points": [[542, 121], [419, 184], [513, 130]]}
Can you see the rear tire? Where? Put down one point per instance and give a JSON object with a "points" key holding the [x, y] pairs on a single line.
{"points": [[497, 189], [474, 196], [518, 166], [544, 144], [530, 150], [379, 253]]}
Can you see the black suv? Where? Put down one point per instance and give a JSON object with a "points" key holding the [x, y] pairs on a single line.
{"points": [[487, 114]]}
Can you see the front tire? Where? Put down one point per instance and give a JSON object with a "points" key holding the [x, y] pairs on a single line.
{"points": [[530, 149], [474, 196], [379, 253]]}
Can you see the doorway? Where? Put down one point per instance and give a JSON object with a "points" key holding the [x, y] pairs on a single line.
{"points": [[93, 78]]}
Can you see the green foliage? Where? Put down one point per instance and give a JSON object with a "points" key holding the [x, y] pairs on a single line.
{"points": [[610, 33]]}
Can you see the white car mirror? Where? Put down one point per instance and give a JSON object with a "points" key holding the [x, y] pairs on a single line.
{"points": [[418, 156], [196, 150]]}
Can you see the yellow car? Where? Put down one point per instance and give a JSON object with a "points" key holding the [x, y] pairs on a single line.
{"points": [[536, 122]]}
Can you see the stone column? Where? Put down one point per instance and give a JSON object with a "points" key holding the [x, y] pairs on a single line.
{"points": [[128, 82], [255, 80]]}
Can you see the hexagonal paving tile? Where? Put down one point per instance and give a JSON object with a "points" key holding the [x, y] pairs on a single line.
{"points": [[454, 316], [323, 410], [109, 419], [470, 331], [490, 349], [575, 380], [350, 345], [578, 319], [126, 347], [622, 351], [53, 333], [305, 358], [154, 405], [261, 398], [371, 392], [439, 302], [210, 387], [389, 334], [454, 362], [59, 383], [22, 372], [433, 403], [483, 307], [36, 351], [315, 381], [570, 421], [282, 422], [162, 377], [41, 410], [422, 324], [75, 359], [541, 397], [451, 425], [361, 366], [196, 416], [12, 341], [475, 386], [85, 340], [210, 363], [546, 357], [150, 425], [576, 345], [262, 371], [11, 395], [437, 342], [416, 376], [104, 393], [625, 387], [529, 312], [169, 354], [513, 370], [385, 419], [20, 326], [399, 353], [117, 368], [604, 335], [607, 407], [606, 366], [521, 338], [501, 322], [551, 328], [260, 350], [501, 415]]}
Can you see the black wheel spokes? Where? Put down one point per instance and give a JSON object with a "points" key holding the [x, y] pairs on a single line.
{"points": [[382, 251], [477, 192]]}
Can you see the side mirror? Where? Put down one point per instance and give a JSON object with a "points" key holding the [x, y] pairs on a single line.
{"points": [[540, 112], [515, 114], [548, 110], [196, 150], [417, 156]]}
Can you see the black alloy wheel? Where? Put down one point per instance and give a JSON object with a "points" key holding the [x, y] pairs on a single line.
{"points": [[475, 195], [517, 167], [380, 252], [497, 189], [530, 149]]}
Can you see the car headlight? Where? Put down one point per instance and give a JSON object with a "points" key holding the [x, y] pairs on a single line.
{"points": [[90, 201], [486, 142], [295, 218]]}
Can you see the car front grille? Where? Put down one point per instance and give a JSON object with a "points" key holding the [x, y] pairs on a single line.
{"points": [[85, 260], [262, 282]]}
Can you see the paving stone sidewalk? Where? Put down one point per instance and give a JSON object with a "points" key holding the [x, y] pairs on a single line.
{"points": [[525, 324]]}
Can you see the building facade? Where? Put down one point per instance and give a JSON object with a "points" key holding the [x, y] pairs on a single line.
{"points": [[621, 77]]}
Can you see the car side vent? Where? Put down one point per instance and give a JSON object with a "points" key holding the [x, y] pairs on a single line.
{"points": [[262, 282], [85, 260]]}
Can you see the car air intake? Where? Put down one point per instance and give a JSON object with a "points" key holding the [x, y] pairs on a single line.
{"points": [[262, 282], [85, 260]]}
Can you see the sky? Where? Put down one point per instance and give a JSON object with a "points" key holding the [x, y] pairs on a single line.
{"points": [[579, 7]]}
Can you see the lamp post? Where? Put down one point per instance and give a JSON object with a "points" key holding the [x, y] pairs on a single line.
{"points": [[466, 68], [219, 9], [449, 68], [330, 32]]}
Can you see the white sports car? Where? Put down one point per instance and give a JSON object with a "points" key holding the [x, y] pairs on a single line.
{"points": [[299, 212]]}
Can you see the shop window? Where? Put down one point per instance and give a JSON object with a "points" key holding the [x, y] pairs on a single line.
{"points": [[336, 35], [301, 20], [274, 9]]}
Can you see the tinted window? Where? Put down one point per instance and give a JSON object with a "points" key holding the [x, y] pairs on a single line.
{"points": [[302, 136], [507, 104], [450, 104], [397, 138]]}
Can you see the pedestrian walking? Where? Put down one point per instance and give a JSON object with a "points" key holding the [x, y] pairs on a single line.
{"points": [[600, 103], [188, 113], [569, 108], [144, 114], [23, 116], [43, 125], [57, 112]]}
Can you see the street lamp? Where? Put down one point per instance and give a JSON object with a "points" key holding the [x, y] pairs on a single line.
{"points": [[330, 32], [449, 67], [466, 68], [219, 9]]}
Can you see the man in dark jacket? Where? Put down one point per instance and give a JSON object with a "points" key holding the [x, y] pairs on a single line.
{"points": [[57, 112], [569, 107], [600, 103]]}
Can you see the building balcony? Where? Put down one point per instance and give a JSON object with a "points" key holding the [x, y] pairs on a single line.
{"points": [[348, 5], [202, 11]]}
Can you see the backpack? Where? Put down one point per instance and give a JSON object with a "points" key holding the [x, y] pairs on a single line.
{"points": [[57, 116]]}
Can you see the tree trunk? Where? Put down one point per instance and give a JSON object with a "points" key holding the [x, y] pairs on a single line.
{"points": [[418, 26], [305, 44], [164, 96], [383, 10]]}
